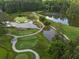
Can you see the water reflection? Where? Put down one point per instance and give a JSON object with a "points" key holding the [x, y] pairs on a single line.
{"points": [[59, 20], [49, 34]]}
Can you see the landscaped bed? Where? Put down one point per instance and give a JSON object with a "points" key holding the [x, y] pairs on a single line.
{"points": [[21, 19]]}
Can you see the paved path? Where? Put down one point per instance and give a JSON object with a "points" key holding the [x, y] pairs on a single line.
{"points": [[35, 32], [66, 38], [14, 41]]}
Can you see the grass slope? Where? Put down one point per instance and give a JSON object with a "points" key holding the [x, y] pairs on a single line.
{"points": [[70, 31]]}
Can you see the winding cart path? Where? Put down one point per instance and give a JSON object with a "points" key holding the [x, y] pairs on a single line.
{"points": [[14, 41]]}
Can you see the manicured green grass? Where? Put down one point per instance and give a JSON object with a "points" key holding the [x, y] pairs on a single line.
{"points": [[27, 42], [23, 43], [21, 31], [70, 31], [25, 55], [3, 53], [42, 46], [22, 56], [37, 42], [6, 51], [28, 15], [5, 41], [11, 55]]}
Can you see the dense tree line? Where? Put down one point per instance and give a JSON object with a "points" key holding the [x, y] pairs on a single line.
{"points": [[45, 21], [53, 5], [64, 50], [73, 11], [21, 6], [61, 6], [57, 5], [70, 8], [65, 8]]}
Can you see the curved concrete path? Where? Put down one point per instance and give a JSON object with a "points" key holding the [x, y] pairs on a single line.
{"points": [[60, 33], [30, 34], [14, 41], [35, 32]]}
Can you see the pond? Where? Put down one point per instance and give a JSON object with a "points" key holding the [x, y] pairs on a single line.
{"points": [[22, 25], [55, 17], [49, 34], [59, 20]]}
